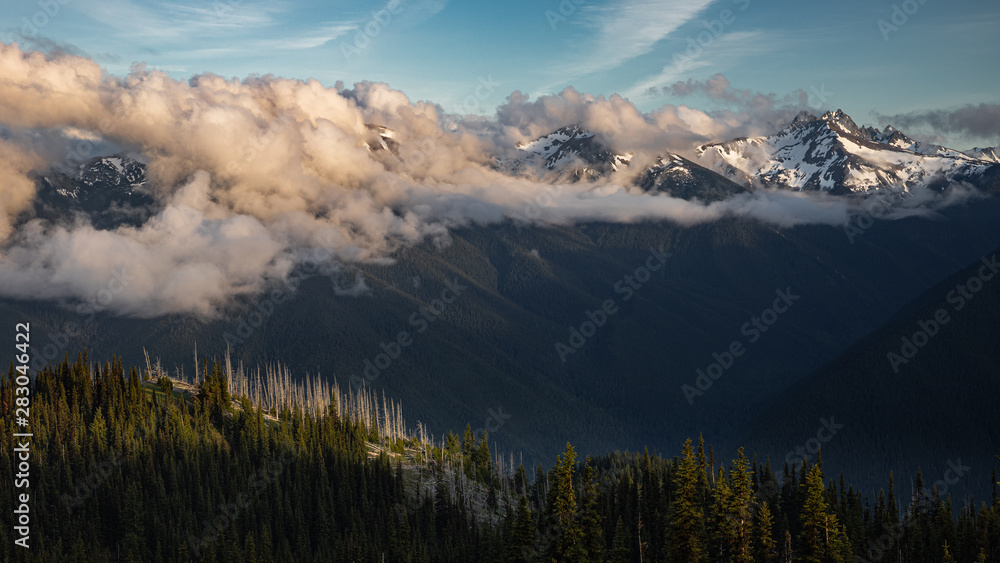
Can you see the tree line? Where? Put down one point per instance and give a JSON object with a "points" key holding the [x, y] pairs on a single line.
{"points": [[126, 466]]}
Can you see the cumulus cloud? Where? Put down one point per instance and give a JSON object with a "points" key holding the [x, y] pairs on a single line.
{"points": [[18, 190], [745, 112], [255, 177]]}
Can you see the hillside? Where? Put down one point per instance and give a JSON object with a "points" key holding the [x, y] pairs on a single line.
{"points": [[132, 466], [922, 390], [495, 346]]}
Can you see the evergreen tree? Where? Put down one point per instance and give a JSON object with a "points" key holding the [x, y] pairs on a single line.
{"points": [[523, 535], [741, 511], [686, 528], [468, 444], [765, 549], [620, 552], [132, 477], [482, 454], [821, 539], [593, 532], [568, 545]]}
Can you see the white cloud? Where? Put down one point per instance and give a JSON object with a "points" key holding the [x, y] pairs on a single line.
{"points": [[255, 176]]}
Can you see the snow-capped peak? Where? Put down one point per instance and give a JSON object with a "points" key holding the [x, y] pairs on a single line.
{"points": [[840, 120], [381, 138], [989, 154], [570, 150], [833, 154], [804, 117]]}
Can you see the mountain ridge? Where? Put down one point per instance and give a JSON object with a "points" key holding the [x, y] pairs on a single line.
{"points": [[832, 154]]}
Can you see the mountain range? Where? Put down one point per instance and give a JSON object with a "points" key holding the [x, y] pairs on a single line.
{"points": [[832, 154], [828, 154], [531, 288]]}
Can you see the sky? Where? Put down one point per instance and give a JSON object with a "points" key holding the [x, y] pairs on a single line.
{"points": [[870, 58]]}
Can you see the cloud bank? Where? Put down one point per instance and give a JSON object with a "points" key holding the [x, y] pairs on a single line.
{"points": [[982, 120], [252, 177]]}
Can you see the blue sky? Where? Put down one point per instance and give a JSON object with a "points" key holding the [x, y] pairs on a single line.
{"points": [[941, 57]]}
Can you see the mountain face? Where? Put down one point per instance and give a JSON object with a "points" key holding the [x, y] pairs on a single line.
{"points": [[990, 154], [832, 154], [530, 288], [576, 154], [111, 191], [937, 357], [381, 138], [678, 177], [571, 152], [525, 290], [829, 154]]}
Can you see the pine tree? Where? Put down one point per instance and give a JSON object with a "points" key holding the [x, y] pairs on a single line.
{"points": [[452, 446], [482, 455], [568, 545], [765, 550], [468, 443], [741, 527], [619, 550], [821, 539], [593, 533], [722, 534], [523, 535], [686, 528]]}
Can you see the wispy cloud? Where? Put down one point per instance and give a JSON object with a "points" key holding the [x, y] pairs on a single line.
{"points": [[718, 55], [312, 39], [629, 30], [416, 12], [172, 21]]}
